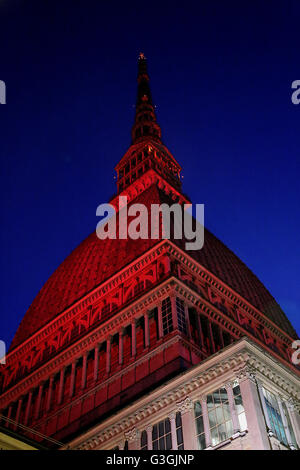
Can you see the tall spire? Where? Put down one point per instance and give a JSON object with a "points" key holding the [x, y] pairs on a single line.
{"points": [[147, 160], [145, 124]]}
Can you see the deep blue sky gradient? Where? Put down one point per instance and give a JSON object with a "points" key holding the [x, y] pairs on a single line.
{"points": [[221, 75]]}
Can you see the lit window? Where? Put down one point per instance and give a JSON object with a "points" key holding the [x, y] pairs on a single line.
{"points": [[166, 313], [274, 416], [181, 316], [219, 416], [161, 435], [240, 410], [199, 425]]}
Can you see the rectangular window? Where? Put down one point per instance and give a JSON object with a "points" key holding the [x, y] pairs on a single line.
{"points": [[181, 316], [219, 416], [199, 425], [166, 313], [274, 416], [161, 435]]}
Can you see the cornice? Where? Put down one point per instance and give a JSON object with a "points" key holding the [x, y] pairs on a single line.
{"points": [[89, 341], [236, 360], [86, 301], [229, 292]]}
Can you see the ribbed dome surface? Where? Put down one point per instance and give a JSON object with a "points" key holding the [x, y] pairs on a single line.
{"points": [[94, 261]]}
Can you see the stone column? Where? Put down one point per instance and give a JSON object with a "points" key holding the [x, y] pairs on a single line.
{"points": [[108, 345], [28, 408], [160, 323], [172, 418], [174, 313], [121, 332], [149, 437], [146, 325], [234, 416], [72, 379], [121, 445], [133, 338], [256, 425], [295, 420], [133, 438], [206, 421], [84, 367], [38, 402], [186, 408], [61, 385]]}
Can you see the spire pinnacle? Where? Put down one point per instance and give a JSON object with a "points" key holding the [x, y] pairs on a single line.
{"points": [[145, 124]]}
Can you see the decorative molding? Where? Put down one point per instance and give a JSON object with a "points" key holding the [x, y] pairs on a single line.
{"points": [[132, 434], [185, 405], [243, 362]]}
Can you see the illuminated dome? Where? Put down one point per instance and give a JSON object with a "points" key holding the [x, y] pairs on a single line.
{"points": [[94, 260]]}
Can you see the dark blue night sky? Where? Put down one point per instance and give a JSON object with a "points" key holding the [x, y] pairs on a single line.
{"points": [[221, 75]]}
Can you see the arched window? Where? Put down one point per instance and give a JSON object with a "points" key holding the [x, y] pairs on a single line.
{"points": [[199, 425], [219, 416]]}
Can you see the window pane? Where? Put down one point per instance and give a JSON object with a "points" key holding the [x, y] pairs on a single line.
{"points": [[212, 418], [162, 443], [168, 442], [199, 425], [214, 436], [226, 410], [154, 432], [274, 415], [198, 409], [201, 441], [222, 432], [219, 414], [167, 425]]}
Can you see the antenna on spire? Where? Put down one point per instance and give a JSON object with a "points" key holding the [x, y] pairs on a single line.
{"points": [[145, 125]]}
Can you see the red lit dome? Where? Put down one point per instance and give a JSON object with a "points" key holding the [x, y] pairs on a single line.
{"points": [[95, 260]]}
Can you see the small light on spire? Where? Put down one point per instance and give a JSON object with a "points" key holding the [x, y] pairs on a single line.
{"points": [[142, 56]]}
